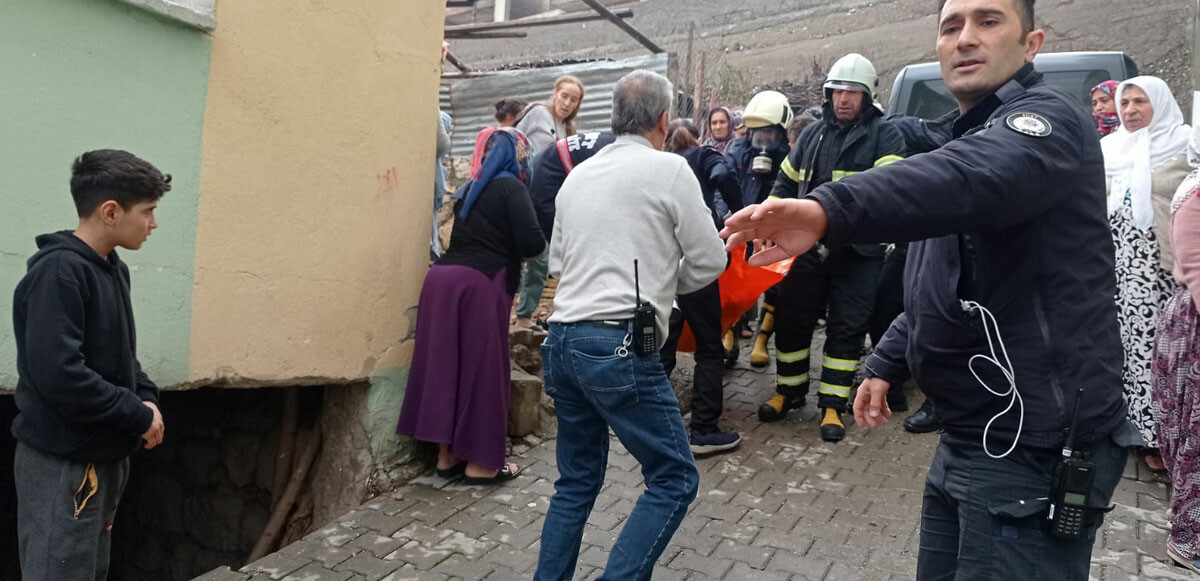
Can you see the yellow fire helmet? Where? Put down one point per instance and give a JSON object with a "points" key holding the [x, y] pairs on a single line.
{"points": [[766, 109]]}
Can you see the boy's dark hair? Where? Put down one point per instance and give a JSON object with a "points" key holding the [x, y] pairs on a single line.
{"points": [[111, 174], [509, 106], [1024, 8]]}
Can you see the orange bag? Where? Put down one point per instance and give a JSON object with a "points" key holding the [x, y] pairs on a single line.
{"points": [[741, 285]]}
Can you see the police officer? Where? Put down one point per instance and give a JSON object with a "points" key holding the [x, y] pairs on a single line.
{"points": [[1008, 302], [851, 137], [757, 158]]}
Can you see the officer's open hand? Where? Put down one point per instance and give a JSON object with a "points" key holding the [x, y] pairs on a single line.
{"points": [[870, 405], [781, 228]]}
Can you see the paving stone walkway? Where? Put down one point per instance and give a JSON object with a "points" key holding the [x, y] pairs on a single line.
{"points": [[783, 506]]}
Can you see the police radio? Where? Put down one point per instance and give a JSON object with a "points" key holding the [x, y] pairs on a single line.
{"points": [[645, 327], [1069, 514]]}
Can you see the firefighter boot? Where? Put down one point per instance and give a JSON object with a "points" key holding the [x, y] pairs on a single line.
{"points": [[777, 408], [732, 349], [759, 356], [832, 428]]}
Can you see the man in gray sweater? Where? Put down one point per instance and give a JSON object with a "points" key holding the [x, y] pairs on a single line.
{"points": [[628, 202]]}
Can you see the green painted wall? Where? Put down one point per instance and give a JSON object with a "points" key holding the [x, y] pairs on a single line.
{"points": [[89, 74], [383, 411]]}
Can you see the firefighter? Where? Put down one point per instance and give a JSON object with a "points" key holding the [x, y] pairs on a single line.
{"points": [[851, 137], [757, 158]]}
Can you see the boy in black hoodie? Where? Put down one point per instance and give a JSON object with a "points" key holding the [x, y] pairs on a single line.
{"points": [[84, 403]]}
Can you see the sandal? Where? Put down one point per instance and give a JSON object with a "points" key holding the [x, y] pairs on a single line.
{"points": [[453, 471], [1181, 561], [503, 475]]}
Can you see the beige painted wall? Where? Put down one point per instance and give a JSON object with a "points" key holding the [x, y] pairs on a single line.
{"points": [[316, 191]]}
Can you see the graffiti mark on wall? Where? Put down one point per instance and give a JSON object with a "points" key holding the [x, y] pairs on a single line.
{"points": [[388, 181]]}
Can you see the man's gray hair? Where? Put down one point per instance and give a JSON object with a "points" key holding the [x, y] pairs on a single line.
{"points": [[639, 99]]}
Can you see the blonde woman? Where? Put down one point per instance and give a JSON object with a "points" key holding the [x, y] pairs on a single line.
{"points": [[544, 124]]}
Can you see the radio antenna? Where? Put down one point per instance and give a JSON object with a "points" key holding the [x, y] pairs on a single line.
{"points": [[637, 291], [1067, 449]]}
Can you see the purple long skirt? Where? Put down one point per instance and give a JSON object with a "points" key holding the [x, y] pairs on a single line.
{"points": [[1176, 407], [458, 384]]}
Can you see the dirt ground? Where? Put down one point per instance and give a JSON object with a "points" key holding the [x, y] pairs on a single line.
{"points": [[750, 44]]}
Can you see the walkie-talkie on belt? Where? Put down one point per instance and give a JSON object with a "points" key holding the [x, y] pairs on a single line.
{"points": [[1069, 490], [645, 329]]}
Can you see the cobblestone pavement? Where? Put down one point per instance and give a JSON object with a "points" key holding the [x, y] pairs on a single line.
{"points": [[785, 505]]}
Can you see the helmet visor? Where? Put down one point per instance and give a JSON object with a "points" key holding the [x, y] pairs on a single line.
{"points": [[847, 86], [764, 138]]}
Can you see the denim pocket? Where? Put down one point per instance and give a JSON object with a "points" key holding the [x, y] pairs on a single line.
{"points": [[547, 368], [607, 380]]}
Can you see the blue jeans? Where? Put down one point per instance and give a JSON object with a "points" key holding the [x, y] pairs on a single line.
{"points": [[597, 385], [984, 518]]}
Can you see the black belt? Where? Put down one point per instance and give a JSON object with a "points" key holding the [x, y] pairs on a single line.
{"points": [[606, 324]]}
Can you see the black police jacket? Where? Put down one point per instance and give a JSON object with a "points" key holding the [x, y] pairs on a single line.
{"points": [[870, 143], [1010, 214], [920, 136]]}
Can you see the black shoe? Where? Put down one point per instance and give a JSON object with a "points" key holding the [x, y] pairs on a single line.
{"points": [[712, 442], [923, 420], [832, 428], [896, 400]]}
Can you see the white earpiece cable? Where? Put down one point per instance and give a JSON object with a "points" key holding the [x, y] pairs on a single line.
{"points": [[989, 327]]}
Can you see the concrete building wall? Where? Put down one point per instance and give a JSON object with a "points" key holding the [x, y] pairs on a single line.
{"points": [[77, 75], [316, 195]]}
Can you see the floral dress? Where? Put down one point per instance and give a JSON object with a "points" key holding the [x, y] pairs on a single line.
{"points": [[1142, 287], [1176, 379]]}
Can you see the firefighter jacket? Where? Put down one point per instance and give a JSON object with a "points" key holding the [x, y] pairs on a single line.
{"points": [[756, 186], [1010, 214], [825, 152]]}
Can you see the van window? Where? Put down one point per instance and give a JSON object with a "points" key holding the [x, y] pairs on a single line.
{"points": [[931, 99]]}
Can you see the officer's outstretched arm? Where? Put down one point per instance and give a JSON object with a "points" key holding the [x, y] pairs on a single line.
{"points": [[992, 179]]}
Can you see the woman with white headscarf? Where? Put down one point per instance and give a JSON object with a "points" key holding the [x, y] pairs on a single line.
{"points": [[1145, 160]]}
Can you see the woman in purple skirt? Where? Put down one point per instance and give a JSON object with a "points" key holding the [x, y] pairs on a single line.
{"points": [[1176, 374], [458, 385]]}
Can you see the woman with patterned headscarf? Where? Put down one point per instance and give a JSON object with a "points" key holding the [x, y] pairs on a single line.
{"points": [[1104, 107], [1144, 162], [719, 129], [458, 384]]}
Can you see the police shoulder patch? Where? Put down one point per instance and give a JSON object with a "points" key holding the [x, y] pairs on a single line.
{"points": [[1029, 124]]}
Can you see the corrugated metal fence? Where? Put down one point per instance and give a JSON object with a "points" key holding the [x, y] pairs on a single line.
{"points": [[471, 100]]}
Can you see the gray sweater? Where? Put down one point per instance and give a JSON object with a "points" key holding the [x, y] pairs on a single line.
{"points": [[630, 201], [540, 127]]}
